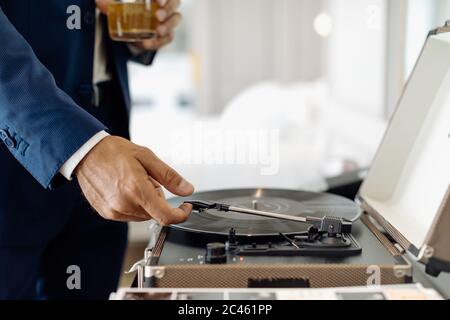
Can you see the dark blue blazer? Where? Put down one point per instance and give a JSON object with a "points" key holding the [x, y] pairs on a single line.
{"points": [[45, 76], [45, 91]]}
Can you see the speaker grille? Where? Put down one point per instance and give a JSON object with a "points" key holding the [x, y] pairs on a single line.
{"points": [[232, 276]]}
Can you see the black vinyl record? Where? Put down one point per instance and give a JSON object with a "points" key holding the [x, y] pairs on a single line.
{"points": [[295, 203]]}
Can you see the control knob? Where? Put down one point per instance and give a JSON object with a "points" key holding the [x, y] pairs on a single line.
{"points": [[215, 253]]}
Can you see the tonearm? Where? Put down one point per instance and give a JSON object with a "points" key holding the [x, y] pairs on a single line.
{"points": [[331, 225]]}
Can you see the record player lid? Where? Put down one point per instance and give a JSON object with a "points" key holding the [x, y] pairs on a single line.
{"points": [[407, 187]]}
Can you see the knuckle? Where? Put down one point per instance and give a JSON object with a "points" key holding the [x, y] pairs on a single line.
{"points": [[147, 150], [171, 177], [110, 215], [144, 149], [164, 221], [149, 45], [184, 217], [117, 204], [180, 219], [147, 205], [132, 189]]}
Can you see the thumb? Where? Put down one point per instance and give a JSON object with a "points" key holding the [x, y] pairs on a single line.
{"points": [[165, 175], [103, 5]]}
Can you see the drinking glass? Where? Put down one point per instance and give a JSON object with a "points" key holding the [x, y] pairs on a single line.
{"points": [[132, 20]]}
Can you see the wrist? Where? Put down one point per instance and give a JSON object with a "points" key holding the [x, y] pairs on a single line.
{"points": [[70, 166]]}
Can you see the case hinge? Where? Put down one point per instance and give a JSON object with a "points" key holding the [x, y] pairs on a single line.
{"points": [[399, 248], [154, 272], [444, 29], [425, 254]]}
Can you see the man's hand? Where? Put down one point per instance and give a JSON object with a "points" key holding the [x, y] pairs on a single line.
{"points": [[168, 17], [122, 181]]}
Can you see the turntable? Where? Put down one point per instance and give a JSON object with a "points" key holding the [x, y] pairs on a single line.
{"points": [[311, 240], [281, 238], [276, 222]]}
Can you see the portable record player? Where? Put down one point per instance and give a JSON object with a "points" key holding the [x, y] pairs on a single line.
{"points": [[281, 238], [224, 249]]}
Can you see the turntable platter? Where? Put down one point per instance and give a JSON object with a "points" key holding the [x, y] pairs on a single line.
{"points": [[295, 203]]}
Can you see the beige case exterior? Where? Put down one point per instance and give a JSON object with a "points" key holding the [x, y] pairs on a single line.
{"points": [[232, 276], [314, 275]]}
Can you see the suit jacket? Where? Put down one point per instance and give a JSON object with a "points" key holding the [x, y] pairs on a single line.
{"points": [[46, 79], [45, 91]]}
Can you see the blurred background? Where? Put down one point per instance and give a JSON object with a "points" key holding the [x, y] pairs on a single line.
{"points": [[277, 93]]}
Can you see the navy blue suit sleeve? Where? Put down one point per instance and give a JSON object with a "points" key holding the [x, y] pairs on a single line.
{"points": [[40, 124]]}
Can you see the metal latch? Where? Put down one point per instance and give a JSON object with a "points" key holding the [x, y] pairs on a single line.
{"points": [[139, 268], [403, 270]]}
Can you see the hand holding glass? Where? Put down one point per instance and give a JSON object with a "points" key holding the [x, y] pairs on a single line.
{"points": [[132, 20]]}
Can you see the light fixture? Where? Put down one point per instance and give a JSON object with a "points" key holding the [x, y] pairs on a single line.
{"points": [[323, 25]]}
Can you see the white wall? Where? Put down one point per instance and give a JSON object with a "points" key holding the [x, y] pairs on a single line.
{"points": [[357, 55], [422, 16], [240, 43]]}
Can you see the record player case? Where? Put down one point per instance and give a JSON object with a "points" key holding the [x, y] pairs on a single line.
{"points": [[391, 230], [175, 265]]}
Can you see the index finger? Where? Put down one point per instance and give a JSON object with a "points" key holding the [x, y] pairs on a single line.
{"points": [[164, 174]]}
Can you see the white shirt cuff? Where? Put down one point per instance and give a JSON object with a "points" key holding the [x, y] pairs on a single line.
{"points": [[69, 167]]}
